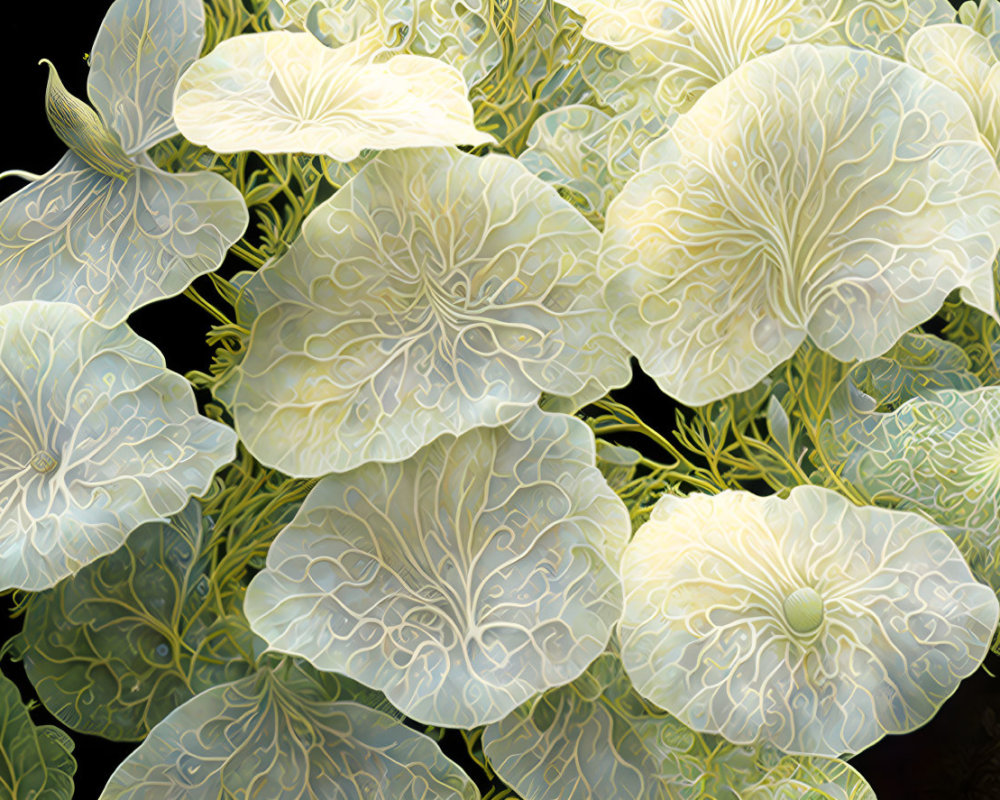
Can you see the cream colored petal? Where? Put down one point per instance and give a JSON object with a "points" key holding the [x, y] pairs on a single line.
{"points": [[139, 54], [963, 60], [433, 293], [445, 29], [693, 44], [984, 18], [807, 623], [97, 437], [781, 205], [282, 92], [110, 245], [461, 581]]}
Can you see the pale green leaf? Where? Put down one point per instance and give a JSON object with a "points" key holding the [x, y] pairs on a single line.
{"points": [[116, 647], [282, 735], [461, 581], [597, 738], [141, 50], [109, 245], [97, 437], [434, 292], [773, 210]]}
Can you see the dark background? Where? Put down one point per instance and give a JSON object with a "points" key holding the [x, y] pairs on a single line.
{"points": [[954, 757]]}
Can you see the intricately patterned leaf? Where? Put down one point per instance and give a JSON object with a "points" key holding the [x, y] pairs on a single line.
{"points": [[461, 581], [590, 154], [140, 52], [963, 60], [917, 365], [433, 293], [809, 623], [280, 735], [116, 647], [97, 436], [444, 29], [282, 92], [885, 26], [597, 737], [111, 245], [694, 44], [940, 455], [781, 207], [37, 762], [984, 18]]}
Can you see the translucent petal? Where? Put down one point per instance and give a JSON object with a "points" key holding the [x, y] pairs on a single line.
{"points": [[598, 738], [916, 365], [279, 735], [590, 154], [711, 631], [693, 44], [111, 246], [781, 206], [964, 61], [281, 92], [459, 582], [37, 760], [141, 50], [919, 365], [983, 18], [885, 26], [444, 29], [96, 438], [116, 647], [434, 292], [939, 455]]}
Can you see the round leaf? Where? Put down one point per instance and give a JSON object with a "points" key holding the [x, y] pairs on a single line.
{"points": [[780, 206], [282, 92], [116, 647], [459, 582], [281, 736], [97, 436], [807, 623], [433, 293]]}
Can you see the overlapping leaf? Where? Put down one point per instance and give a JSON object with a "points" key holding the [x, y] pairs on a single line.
{"points": [[963, 60], [781, 207], [116, 647], [113, 242], [597, 737], [885, 27], [433, 293], [461, 581], [445, 29], [591, 154], [96, 438], [37, 761], [984, 18], [940, 455], [695, 44], [285, 735], [282, 92], [808, 623]]}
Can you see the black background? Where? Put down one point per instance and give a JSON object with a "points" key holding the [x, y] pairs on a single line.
{"points": [[954, 757]]}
